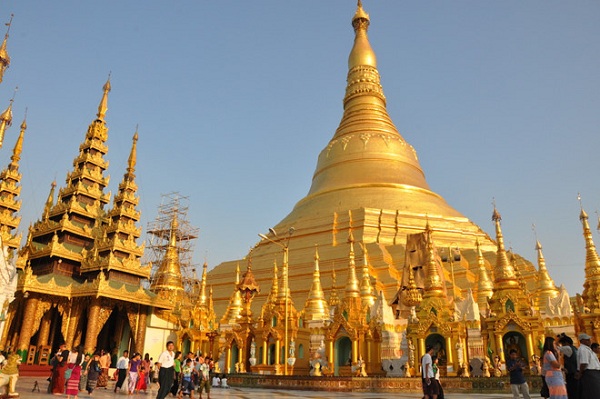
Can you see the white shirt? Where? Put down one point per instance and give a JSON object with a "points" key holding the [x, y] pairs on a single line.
{"points": [[123, 362], [166, 359], [585, 355], [427, 361]]}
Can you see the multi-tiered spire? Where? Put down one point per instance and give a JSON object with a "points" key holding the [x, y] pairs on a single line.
{"points": [[71, 225], [167, 281], [316, 307], [591, 286], [10, 189], [367, 293], [504, 273], [234, 309], [546, 289], [434, 282], [485, 286], [4, 58]]}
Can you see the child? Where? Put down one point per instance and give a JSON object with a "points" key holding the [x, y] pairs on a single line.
{"points": [[515, 366], [224, 381], [141, 382], [187, 384], [155, 374]]}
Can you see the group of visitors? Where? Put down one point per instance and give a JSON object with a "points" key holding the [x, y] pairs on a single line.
{"points": [[567, 372], [432, 388]]}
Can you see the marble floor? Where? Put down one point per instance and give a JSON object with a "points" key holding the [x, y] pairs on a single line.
{"points": [[26, 384]]}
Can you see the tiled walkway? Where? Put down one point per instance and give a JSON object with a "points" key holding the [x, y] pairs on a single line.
{"points": [[26, 384]]}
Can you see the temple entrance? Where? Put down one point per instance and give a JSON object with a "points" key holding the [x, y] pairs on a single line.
{"points": [[271, 353], [343, 354], [515, 340], [186, 345], [235, 358], [115, 336], [439, 347]]}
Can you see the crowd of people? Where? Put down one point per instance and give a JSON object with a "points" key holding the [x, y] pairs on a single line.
{"points": [[73, 372]]}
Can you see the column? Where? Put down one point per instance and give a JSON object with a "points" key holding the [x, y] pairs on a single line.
{"points": [[5, 332], [141, 330], [92, 330], [449, 349], [500, 347], [228, 361], [265, 352], [331, 356], [73, 321], [530, 351], [277, 351], [355, 351], [45, 329], [27, 327]]}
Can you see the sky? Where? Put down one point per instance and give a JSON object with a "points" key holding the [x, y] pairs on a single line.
{"points": [[235, 99]]}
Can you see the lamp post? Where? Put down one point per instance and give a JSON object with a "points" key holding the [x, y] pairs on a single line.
{"points": [[285, 247]]}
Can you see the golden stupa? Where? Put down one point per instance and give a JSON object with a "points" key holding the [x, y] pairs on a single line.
{"points": [[368, 179]]}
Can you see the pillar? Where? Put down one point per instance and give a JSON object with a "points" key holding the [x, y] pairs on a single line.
{"points": [[93, 329], [228, 361], [265, 351], [27, 327], [45, 328], [10, 315], [141, 330], [330, 355], [355, 351], [73, 321], [421, 348], [449, 351], [530, 350], [500, 347]]}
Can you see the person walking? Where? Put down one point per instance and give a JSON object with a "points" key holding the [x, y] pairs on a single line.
{"points": [[122, 368], [588, 372], [58, 371], [74, 366], [430, 388], [569, 352], [166, 372], [518, 383], [93, 373], [551, 369], [134, 365], [177, 369], [204, 377], [104, 361]]}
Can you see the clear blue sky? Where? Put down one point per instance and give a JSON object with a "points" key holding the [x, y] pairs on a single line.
{"points": [[235, 100]]}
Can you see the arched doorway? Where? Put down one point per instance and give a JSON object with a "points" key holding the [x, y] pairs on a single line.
{"points": [[186, 345], [514, 340], [235, 356], [438, 343], [343, 353]]}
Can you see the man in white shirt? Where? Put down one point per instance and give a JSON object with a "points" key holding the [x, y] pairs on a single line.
{"points": [[589, 369], [430, 388], [166, 372], [122, 367]]}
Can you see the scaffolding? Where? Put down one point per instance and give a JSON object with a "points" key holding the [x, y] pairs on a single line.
{"points": [[174, 205]]}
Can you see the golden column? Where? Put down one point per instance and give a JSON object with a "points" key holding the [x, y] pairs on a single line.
{"points": [[141, 331], [91, 335], [27, 326], [277, 351], [264, 354], [45, 329]]}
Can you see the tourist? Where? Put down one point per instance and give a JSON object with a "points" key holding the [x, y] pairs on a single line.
{"points": [[142, 381], [73, 372], [177, 368], [588, 372], [518, 383], [134, 365], [551, 370], [84, 374], [430, 388], [93, 371], [104, 365], [569, 352], [204, 377], [147, 363], [164, 365], [122, 367], [224, 381], [436, 376], [216, 381], [187, 382], [595, 348], [59, 367]]}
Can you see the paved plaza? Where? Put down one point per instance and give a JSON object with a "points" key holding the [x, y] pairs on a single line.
{"points": [[26, 384]]}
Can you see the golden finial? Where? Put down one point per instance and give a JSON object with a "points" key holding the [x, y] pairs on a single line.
{"points": [[582, 214], [4, 58], [6, 118], [133, 154], [361, 53], [316, 307], [103, 107], [16, 156], [49, 200]]}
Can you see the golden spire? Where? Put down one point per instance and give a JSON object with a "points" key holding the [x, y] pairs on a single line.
{"points": [[49, 200], [485, 286], [352, 290], [434, 286], [362, 54], [132, 157], [545, 287], [234, 308], [504, 273], [591, 286], [366, 289], [4, 58], [16, 155], [334, 299], [203, 298], [103, 107], [274, 286], [5, 121], [316, 307], [168, 279]]}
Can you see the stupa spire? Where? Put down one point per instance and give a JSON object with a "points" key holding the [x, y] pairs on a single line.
{"points": [[4, 57], [273, 294], [504, 273], [352, 290], [18, 149], [434, 286], [591, 286], [334, 299], [103, 106], [485, 286], [6, 118], [49, 200], [203, 298], [316, 307], [367, 293], [167, 279], [234, 308], [545, 285]]}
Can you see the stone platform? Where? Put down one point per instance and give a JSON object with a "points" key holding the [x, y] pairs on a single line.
{"points": [[376, 384]]}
